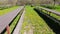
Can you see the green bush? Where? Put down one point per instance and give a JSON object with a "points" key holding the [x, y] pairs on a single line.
{"points": [[1, 8], [48, 6], [4, 7]]}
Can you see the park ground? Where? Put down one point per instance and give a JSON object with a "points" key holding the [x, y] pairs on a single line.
{"points": [[32, 23]]}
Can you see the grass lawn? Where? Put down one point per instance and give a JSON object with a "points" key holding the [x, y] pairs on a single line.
{"points": [[33, 21], [2, 12], [57, 8]]}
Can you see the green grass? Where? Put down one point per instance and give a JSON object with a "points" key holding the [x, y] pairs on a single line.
{"points": [[57, 8], [34, 21], [5, 11]]}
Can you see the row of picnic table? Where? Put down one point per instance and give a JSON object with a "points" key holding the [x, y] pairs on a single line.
{"points": [[6, 19]]}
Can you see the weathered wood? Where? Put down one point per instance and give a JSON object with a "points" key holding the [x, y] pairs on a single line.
{"points": [[6, 19], [56, 21], [19, 25], [52, 11]]}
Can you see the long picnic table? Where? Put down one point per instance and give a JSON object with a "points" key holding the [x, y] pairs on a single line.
{"points": [[6, 19], [49, 10]]}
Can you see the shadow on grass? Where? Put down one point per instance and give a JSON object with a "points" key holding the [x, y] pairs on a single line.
{"points": [[52, 24]]}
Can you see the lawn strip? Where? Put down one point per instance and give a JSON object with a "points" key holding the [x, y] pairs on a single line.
{"points": [[32, 21]]}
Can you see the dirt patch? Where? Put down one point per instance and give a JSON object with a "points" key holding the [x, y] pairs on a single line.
{"points": [[29, 29]]}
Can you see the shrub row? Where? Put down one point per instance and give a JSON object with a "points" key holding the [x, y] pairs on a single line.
{"points": [[4, 7], [48, 6]]}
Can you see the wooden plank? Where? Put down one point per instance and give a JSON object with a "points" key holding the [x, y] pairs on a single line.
{"points": [[56, 21], [19, 25], [7, 18], [52, 11]]}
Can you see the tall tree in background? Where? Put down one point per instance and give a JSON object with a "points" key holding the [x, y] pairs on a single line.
{"points": [[54, 2], [12, 2]]}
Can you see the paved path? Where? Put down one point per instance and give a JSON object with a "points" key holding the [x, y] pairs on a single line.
{"points": [[7, 18], [18, 28]]}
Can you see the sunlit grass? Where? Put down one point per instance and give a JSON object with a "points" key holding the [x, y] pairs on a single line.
{"points": [[31, 18], [5, 11], [57, 8]]}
